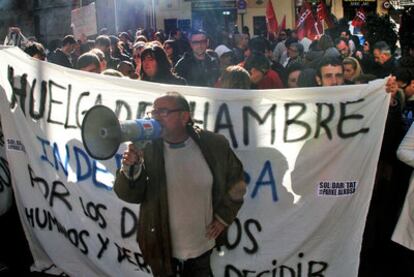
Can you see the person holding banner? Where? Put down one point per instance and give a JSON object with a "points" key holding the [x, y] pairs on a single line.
{"points": [[190, 185]]}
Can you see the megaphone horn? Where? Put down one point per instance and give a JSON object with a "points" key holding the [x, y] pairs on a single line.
{"points": [[102, 132]]}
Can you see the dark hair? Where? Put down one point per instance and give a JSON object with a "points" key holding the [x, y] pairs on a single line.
{"points": [[103, 40], [257, 44], [325, 42], [174, 47], [114, 40], [257, 61], [88, 59], [299, 47], [383, 47], [163, 63], [307, 78], [333, 61], [404, 74], [295, 66], [198, 32], [338, 40], [69, 39], [289, 41], [35, 48], [235, 77]]}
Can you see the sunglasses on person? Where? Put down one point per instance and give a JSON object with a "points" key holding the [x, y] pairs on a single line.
{"points": [[162, 112], [199, 42]]}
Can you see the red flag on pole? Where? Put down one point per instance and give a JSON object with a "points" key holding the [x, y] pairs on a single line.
{"points": [[359, 19], [271, 20], [322, 14], [306, 25]]}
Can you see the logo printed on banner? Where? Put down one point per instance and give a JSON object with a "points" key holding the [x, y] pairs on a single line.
{"points": [[15, 144], [335, 188]]}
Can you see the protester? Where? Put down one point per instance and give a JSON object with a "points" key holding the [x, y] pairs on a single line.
{"points": [[307, 78], [181, 41], [136, 56], [240, 41], [127, 69], [293, 72], [172, 192], [36, 50], [103, 43], [198, 68], [89, 62], [171, 48], [352, 69], [61, 56], [261, 75], [330, 72], [280, 47], [343, 48], [327, 46], [156, 67], [112, 72], [225, 56], [383, 56], [235, 77], [101, 56], [294, 53]]}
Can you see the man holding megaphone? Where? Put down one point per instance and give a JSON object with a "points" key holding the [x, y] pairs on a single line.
{"points": [[190, 186]]}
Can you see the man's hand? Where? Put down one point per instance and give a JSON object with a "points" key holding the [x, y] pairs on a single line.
{"points": [[132, 155], [215, 229], [391, 86]]}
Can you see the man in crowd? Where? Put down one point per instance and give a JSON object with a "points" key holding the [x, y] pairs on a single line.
{"points": [[190, 186], [197, 67], [383, 56], [103, 43], [89, 62], [241, 42], [330, 72], [342, 46], [61, 56]]}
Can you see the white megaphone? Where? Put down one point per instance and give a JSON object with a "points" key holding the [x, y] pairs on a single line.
{"points": [[102, 132]]}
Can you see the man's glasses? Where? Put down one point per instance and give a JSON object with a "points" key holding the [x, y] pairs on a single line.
{"points": [[199, 42], [162, 112]]}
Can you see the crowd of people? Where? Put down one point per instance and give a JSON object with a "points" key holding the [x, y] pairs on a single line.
{"points": [[240, 61], [284, 62]]}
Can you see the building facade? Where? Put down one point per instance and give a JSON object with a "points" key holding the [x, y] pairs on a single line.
{"points": [[49, 20]]}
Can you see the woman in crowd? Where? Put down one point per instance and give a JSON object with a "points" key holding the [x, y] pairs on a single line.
{"points": [[136, 55], [352, 70], [156, 67], [235, 77], [171, 49]]}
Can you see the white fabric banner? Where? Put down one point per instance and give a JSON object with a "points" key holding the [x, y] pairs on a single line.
{"points": [[5, 178], [309, 155]]}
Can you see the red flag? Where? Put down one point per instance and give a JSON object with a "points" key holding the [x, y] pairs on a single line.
{"points": [[271, 19], [322, 14], [359, 19], [306, 25]]}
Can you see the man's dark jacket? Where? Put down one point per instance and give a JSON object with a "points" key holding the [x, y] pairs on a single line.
{"points": [[60, 58], [201, 73], [150, 190]]}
